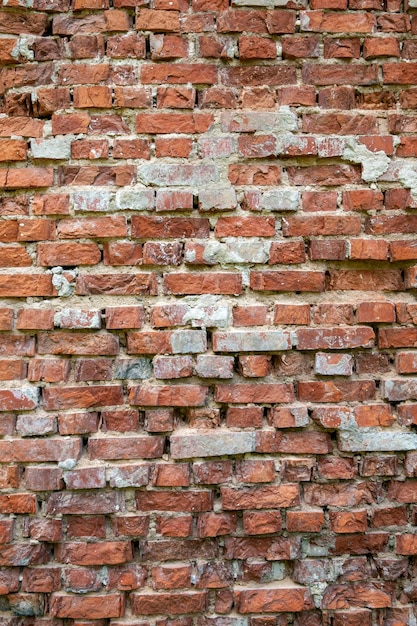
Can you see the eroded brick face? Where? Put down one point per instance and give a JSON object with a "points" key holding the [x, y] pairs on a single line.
{"points": [[208, 343]]}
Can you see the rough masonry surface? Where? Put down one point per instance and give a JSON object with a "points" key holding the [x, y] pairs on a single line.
{"points": [[208, 323]]}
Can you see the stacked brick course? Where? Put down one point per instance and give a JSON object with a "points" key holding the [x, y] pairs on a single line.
{"points": [[208, 268]]}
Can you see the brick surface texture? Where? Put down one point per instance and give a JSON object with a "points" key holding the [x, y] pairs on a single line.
{"points": [[208, 323]]}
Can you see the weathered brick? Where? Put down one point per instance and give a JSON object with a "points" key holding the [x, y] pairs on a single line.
{"points": [[40, 450], [287, 280], [251, 341], [336, 391], [335, 339], [213, 444], [86, 397], [272, 601], [63, 343], [94, 607], [181, 395], [260, 497], [173, 603]]}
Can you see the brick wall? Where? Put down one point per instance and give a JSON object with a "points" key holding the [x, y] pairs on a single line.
{"points": [[207, 364]]}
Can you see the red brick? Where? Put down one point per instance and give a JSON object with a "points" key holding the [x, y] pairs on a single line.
{"points": [[254, 366], [305, 521], [314, 225], [120, 175], [362, 200], [166, 227], [321, 74], [125, 317], [300, 47], [399, 73], [239, 21], [171, 577], [42, 580], [28, 319], [86, 526], [172, 603], [244, 417], [397, 337], [215, 525], [121, 284], [173, 122], [29, 177], [131, 149], [51, 204], [338, 391], [16, 555], [250, 315], [257, 48], [165, 46], [254, 174], [261, 523], [324, 174], [256, 147], [81, 397], [6, 318], [191, 501], [335, 467], [304, 95], [53, 254], [11, 369], [134, 97], [292, 314], [171, 73], [322, 339], [38, 478], [89, 149], [126, 448], [180, 526], [258, 393], [379, 466], [165, 147], [82, 343], [330, 249], [13, 150], [348, 522], [97, 97], [272, 600], [91, 607], [375, 47], [18, 503], [342, 48], [133, 525], [259, 75], [376, 312], [373, 415], [17, 345], [260, 497], [245, 227], [389, 280], [370, 249], [293, 443], [407, 147], [14, 256], [180, 395], [92, 227], [287, 281]]}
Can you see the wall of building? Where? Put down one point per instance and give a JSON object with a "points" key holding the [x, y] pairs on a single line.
{"points": [[207, 273]]}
